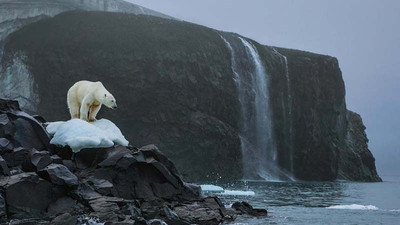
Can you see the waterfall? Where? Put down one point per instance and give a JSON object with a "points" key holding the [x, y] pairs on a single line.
{"points": [[289, 111], [256, 128]]}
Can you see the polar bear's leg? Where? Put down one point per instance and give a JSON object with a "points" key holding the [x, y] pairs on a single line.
{"points": [[73, 105], [94, 109], [74, 110], [85, 106]]}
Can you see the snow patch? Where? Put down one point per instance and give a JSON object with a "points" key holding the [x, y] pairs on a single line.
{"points": [[79, 134], [354, 206], [210, 187]]}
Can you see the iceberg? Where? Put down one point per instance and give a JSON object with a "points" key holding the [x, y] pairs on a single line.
{"points": [[79, 134]]}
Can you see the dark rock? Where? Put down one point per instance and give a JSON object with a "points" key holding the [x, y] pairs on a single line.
{"points": [[3, 167], [59, 175], [6, 126], [27, 195], [105, 208], [5, 145], [37, 160], [28, 222], [62, 205], [29, 132], [69, 164], [3, 210], [132, 209], [16, 170], [136, 175], [156, 222], [114, 155], [85, 193], [90, 157], [64, 152], [64, 219], [199, 214], [57, 159], [17, 157], [246, 208], [39, 118], [7, 105], [102, 186], [169, 215]]}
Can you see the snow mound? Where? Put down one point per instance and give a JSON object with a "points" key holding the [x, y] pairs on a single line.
{"points": [[354, 206], [79, 134], [210, 187]]}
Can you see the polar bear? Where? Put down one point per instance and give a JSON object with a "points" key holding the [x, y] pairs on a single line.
{"points": [[85, 98]]}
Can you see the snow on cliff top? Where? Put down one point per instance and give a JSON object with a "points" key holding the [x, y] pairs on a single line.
{"points": [[79, 134]]}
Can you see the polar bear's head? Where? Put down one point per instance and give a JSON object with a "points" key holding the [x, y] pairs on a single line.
{"points": [[109, 100]]}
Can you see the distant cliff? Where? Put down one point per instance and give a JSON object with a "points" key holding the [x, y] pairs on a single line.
{"points": [[175, 86]]}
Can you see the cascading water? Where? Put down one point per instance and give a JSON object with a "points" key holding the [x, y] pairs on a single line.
{"points": [[256, 129], [289, 110]]}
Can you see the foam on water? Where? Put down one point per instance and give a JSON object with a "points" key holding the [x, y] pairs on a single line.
{"points": [[354, 206]]}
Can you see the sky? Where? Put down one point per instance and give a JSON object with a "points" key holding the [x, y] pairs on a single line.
{"points": [[363, 34]]}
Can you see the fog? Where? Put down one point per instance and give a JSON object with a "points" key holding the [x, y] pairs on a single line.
{"points": [[363, 35]]}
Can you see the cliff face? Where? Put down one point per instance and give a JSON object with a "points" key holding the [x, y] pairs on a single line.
{"points": [[175, 86], [356, 161], [314, 125], [15, 14]]}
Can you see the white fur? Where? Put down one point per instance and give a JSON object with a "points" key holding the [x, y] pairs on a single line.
{"points": [[85, 98]]}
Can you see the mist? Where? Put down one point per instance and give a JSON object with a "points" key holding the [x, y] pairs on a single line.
{"points": [[363, 35]]}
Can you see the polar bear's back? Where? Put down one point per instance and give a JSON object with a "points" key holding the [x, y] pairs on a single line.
{"points": [[80, 89]]}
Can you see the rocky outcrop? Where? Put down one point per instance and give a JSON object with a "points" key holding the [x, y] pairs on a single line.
{"points": [[174, 81], [117, 185], [356, 161]]}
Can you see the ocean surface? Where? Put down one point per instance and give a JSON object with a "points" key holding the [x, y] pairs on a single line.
{"points": [[339, 202]]}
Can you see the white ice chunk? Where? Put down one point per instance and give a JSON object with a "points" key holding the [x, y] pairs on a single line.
{"points": [[79, 134], [238, 193], [210, 187], [354, 206]]}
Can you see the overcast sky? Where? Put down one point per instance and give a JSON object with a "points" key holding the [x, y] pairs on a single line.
{"points": [[363, 35]]}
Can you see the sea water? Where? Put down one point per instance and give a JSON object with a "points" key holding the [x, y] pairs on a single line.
{"points": [[339, 202]]}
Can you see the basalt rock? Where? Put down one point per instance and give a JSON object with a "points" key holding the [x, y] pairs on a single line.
{"points": [[246, 208], [27, 195]]}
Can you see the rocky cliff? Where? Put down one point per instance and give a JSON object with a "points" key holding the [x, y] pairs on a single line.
{"points": [[175, 86]]}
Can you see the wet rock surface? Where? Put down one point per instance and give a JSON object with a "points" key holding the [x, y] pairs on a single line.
{"points": [[117, 185]]}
